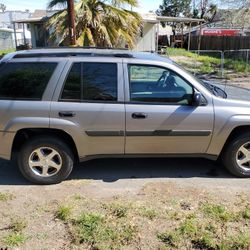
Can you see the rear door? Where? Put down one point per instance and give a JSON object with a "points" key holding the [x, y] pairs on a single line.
{"points": [[89, 105]]}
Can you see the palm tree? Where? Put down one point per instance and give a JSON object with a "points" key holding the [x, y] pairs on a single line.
{"points": [[71, 16], [98, 23]]}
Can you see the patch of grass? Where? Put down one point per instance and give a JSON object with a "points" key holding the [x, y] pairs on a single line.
{"points": [[171, 239], [88, 226], [103, 233], [210, 62], [236, 65], [206, 69], [189, 227], [174, 215], [63, 213], [205, 242], [217, 211], [4, 52], [6, 196], [179, 52], [15, 239], [147, 212], [118, 210], [246, 212], [208, 59], [18, 224], [241, 241]]}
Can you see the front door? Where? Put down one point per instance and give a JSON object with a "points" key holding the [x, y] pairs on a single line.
{"points": [[160, 117]]}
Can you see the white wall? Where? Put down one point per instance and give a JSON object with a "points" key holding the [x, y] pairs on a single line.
{"points": [[148, 41], [6, 40]]}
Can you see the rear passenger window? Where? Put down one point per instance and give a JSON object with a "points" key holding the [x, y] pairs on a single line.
{"points": [[91, 82], [25, 81], [72, 88]]}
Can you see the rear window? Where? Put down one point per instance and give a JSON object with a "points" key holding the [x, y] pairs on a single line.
{"points": [[24, 81]]}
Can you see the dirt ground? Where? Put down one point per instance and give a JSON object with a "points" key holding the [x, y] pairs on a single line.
{"points": [[127, 204]]}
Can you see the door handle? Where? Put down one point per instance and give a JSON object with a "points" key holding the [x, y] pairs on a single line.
{"points": [[67, 114], [139, 116]]}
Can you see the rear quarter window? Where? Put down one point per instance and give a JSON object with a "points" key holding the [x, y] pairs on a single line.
{"points": [[25, 81]]}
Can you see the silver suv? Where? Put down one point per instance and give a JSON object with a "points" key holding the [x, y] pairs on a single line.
{"points": [[62, 106]]}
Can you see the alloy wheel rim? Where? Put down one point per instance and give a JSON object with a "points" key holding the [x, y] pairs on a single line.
{"points": [[45, 161], [243, 157]]}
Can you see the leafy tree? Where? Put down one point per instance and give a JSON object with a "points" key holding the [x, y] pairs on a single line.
{"points": [[204, 9], [174, 8], [237, 13], [2, 7]]}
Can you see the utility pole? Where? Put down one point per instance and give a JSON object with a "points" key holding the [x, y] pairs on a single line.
{"points": [[71, 19]]}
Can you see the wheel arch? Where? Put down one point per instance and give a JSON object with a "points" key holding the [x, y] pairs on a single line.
{"points": [[23, 135], [237, 131]]}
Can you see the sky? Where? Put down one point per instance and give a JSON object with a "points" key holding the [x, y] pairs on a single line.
{"points": [[144, 5]]}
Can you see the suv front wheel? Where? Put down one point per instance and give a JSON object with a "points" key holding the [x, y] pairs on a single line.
{"points": [[236, 156], [45, 160]]}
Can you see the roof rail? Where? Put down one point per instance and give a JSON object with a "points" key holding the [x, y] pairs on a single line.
{"points": [[82, 47], [73, 54]]}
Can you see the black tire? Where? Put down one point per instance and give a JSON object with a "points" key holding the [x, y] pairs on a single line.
{"points": [[66, 157], [229, 155]]}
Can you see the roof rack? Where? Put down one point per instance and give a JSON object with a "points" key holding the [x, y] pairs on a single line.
{"points": [[73, 54]]}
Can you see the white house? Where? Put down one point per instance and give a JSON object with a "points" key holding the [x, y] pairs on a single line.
{"points": [[7, 38], [148, 39], [7, 34]]}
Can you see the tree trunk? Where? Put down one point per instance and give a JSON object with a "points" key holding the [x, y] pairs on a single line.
{"points": [[71, 19]]}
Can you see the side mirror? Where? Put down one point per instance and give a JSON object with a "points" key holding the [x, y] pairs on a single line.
{"points": [[198, 99]]}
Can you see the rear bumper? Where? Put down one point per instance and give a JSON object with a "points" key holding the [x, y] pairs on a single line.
{"points": [[6, 140]]}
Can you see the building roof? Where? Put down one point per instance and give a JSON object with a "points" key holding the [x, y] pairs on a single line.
{"points": [[39, 16], [179, 19], [153, 18], [31, 20]]}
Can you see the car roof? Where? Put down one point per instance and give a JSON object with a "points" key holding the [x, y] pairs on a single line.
{"points": [[67, 52]]}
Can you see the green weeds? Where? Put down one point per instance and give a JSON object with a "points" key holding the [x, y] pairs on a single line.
{"points": [[14, 239], [6, 196], [102, 232], [63, 213]]}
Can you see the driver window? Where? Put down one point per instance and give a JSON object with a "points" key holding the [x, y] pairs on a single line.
{"points": [[157, 84]]}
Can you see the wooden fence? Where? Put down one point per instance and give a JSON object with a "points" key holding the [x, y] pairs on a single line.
{"points": [[220, 42]]}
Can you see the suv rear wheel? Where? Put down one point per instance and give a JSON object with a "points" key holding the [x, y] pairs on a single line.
{"points": [[45, 160], [236, 157]]}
